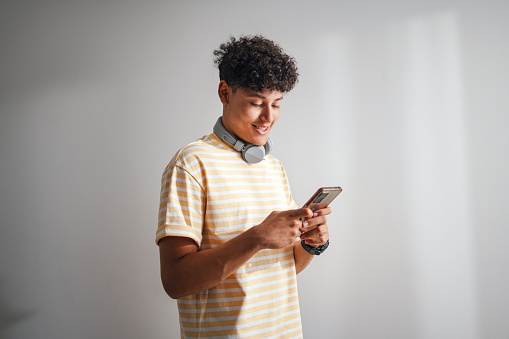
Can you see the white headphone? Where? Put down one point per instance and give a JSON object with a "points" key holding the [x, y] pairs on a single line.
{"points": [[251, 154]]}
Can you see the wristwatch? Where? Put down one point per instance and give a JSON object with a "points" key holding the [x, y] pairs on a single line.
{"points": [[314, 250]]}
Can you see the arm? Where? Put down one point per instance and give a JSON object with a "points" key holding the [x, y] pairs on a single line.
{"points": [[186, 271], [315, 233]]}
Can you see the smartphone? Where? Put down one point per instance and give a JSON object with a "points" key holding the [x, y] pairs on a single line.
{"points": [[322, 198]]}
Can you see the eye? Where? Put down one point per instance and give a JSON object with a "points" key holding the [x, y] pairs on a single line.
{"points": [[256, 104], [275, 106]]}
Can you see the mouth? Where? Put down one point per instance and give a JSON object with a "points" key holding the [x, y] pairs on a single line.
{"points": [[261, 129]]}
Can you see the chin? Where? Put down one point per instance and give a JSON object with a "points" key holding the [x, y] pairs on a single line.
{"points": [[259, 142]]}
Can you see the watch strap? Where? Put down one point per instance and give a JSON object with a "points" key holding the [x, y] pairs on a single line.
{"points": [[314, 250]]}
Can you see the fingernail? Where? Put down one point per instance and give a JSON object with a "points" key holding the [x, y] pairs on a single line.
{"points": [[305, 224], [315, 214]]}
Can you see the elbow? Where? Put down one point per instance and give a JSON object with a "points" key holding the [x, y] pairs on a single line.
{"points": [[174, 295], [173, 291], [172, 283]]}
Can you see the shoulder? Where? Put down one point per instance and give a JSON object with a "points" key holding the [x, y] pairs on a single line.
{"points": [[274, 162], [203, 147], [207, 151]]}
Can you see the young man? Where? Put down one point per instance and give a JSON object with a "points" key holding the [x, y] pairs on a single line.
{"points": [[230, 236]]}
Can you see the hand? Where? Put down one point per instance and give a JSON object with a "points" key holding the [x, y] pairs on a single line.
{"points": [[280, 229], [315, 231]]}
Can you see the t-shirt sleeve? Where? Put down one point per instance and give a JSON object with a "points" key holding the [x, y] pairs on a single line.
{"points": [[182, 206]]}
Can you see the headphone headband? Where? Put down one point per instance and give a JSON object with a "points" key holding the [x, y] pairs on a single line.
{"points": [[251, 154]]}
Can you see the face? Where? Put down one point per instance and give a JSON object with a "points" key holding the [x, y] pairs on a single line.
{"points": [[249, 115]]}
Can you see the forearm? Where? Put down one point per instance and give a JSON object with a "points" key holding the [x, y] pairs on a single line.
{"points": [[199, 271], [302, 257]]}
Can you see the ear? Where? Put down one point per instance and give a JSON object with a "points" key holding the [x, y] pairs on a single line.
{"points": [[223, 91]]}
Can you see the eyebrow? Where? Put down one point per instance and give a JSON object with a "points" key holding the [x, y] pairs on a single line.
{"points": [[258, 95]]}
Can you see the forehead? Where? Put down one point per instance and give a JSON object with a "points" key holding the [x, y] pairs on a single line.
{"points": [[267, 94]]}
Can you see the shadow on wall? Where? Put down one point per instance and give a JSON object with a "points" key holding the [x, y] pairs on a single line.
{"points": [[8, 315]]}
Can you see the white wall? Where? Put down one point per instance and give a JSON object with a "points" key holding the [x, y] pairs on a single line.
{"points": [[404, 104]]}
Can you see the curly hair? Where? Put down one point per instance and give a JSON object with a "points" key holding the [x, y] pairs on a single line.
{"points": [[255, 63]]}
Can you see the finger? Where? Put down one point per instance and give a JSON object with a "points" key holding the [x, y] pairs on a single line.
{"points": [[300, 213], [315, 243], [309, 234], [307, 226], [317, 231], [323, 211], [312, 223], [316, 240]]}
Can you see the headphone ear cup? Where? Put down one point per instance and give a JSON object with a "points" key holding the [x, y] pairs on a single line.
{"points": [[253, 154], [269, 146]]}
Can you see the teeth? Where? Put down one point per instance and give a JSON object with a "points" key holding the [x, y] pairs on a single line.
{"points": [[261, 128]]}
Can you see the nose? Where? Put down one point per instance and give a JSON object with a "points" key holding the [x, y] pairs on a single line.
{"points": [[267, 113]]}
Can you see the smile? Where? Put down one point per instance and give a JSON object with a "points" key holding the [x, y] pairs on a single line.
{"points": [[261, 128]]}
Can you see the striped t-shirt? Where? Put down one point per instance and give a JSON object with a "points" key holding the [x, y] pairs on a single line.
{"points": [[209, 194]]}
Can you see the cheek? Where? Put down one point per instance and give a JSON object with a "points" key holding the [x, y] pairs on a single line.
{"points": [[246, 112]]}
